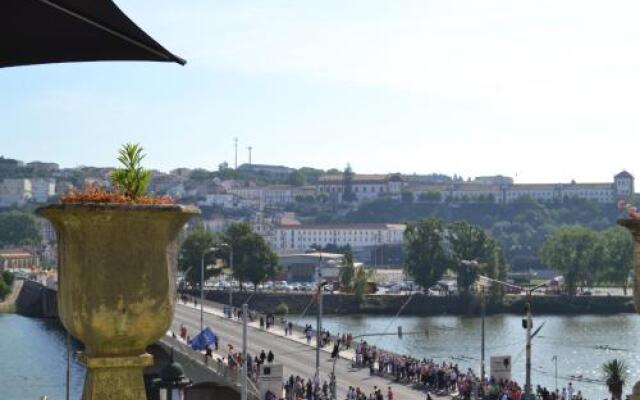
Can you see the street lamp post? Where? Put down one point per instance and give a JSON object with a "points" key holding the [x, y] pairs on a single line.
{"points": [[245, 311], [319, 315], [319, 327], [205, 252], [230, 266]]}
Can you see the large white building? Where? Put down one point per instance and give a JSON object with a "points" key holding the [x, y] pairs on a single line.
{"points": [[42, 190], [270, 196], [14, 192], [285, 239], [363, 187], [622, 187]]}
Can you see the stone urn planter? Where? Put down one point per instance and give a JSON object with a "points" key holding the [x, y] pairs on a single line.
{"points": [[634, 226], [116, 286]]}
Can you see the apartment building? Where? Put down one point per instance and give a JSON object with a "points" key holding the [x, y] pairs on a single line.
{"points": [[622, 187], [363, 187]]}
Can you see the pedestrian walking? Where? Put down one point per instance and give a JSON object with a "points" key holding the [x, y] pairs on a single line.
{"points": [[263, 356]]}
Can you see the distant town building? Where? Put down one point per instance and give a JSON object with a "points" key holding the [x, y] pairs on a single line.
{"points": [[9, 164], [286, 239], [224, 200], [18, 258], [488, 190], [306, 267], [493, 180], [363, 187], [270, 196], [42, 190], [43, 167], [216, 225], [14, 192]]}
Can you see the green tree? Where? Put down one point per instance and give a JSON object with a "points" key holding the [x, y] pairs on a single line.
{"points": [[471, 242], [361, 280], [430, 197], [615, 374], [428, 251], [407, 197], [18, 228], [347, 272], [253, 260], [190, 258], [347, 185], [577, 252], [310, 175], [296, 178], [8, 277], [4, 289], [201, 175], [618, 245]]}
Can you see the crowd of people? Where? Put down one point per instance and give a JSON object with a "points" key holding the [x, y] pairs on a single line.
{"points": [[296, 388], [440, 378]]}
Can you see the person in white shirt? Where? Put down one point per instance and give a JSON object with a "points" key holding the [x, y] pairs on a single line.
{"points": [[570, 391]]}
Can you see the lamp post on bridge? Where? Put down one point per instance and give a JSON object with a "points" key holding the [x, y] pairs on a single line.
{"points": [[205, 252], [227, 245]]}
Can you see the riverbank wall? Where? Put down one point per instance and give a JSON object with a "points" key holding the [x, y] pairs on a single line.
{"points": [[9, 304], [421, 305], [36, 301]]}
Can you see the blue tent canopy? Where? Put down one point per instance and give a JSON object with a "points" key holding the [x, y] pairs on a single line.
{"points": [[203, 339]]}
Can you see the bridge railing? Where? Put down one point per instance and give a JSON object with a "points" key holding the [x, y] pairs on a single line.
{"points": [[216, 365]]}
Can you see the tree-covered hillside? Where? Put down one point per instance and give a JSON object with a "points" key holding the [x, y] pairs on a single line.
{"points": [[520, 227]]}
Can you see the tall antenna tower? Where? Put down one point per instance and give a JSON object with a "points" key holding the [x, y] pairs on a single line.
{"points": [[235, 163], [250, 148]]}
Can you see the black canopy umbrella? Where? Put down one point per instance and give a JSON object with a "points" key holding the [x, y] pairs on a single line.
{"points": [[56, 31]]}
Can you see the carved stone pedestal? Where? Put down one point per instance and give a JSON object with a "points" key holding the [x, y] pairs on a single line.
{"points": [[115, 378]]}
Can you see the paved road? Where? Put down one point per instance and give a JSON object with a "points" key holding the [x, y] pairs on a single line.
{"points": [[297, 358]]}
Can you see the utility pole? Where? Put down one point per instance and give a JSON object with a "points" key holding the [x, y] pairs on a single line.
{"points": [[484, 314], [555, 358], [235, 164], [319, 316], [527, 387], [250, 148], [245, 310], [527, 323], [230, 288], [202, 291]]}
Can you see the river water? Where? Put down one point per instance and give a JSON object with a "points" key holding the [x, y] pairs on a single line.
{"points": [[574, 339], [33, 360], [33, 351]]}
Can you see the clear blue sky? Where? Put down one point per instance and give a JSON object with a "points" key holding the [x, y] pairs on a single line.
{"points": [[547, 90]]}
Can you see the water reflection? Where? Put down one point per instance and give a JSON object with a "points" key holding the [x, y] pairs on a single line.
{"points": [[33, 360]]}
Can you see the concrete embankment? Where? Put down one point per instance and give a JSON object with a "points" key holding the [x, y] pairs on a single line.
{"points": [[9, 304], [37, 301], [421, 305]]}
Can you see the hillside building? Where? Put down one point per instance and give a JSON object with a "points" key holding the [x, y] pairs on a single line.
{"points": [[486, 190], [362, 187]]}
